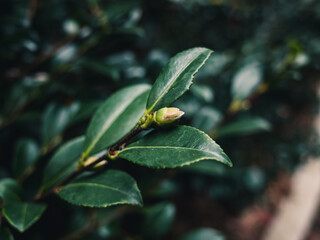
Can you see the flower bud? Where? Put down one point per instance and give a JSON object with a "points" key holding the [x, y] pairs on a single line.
{"points": [[166, 116]]}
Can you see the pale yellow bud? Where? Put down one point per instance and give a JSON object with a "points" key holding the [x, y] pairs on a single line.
{"points": [[166, 116]]}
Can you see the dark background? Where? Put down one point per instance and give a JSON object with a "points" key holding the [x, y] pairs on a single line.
{"points": [[73, 54]]}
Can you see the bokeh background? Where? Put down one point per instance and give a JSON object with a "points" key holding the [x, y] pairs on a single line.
{"points": [[257, 97]]}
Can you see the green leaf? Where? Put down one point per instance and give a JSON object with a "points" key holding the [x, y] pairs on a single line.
{"points": [[26, 154], [246, 80], [247, 125], [22, 215], [203, 92], [175, 147], [101, 67], [115, 118], [63, 163], [158, 220], [106, 189], [204, 234], [85, 110], [176, 77], [165, 189], [206, 118], [5, 234], [207, 168], [10, 189], [56, 118]]}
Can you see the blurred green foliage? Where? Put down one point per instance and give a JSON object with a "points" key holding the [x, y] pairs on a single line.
{"points": [[256, 97]]}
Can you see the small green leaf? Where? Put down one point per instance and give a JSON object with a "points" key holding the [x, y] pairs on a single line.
{"points": [[84, 111], [207, 167], [204, 234], [10, 189], [206, 118], [246, 80], [115, 118], [174, 147], [56, 118], [101, 67], [158, 220], [176, 77], [63, 162], [5, 234], [109, 188], [203, 92], [247, 125], [26, 154], [22, 215]]}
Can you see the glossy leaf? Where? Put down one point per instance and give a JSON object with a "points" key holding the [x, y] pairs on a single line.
{"points": [[204, 234], [175, 147], [158, 220], [63, 162], [115, 118], [243, 126], [109, 188], [22, 215], [176, 77], [10, 189], [26, 154], [246, 80], [5, 234]]}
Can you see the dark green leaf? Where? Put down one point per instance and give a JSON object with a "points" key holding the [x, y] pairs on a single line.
{"points": [[115, 118], [26, 154], [5, 234], [22, 215], [158, 220], [85, 110], [246, 80], [176, 77], [204, 234], [202, 92], [56, 119], [244, 126], [63, 162], [206, 118], [165, 189], [175, 147], [109, 188], [101, 67], [207, 168], [20, 94], [9, 189]]}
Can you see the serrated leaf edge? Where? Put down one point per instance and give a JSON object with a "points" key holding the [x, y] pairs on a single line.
{"points": [[149, 110], [139, 203], [228, 163]]}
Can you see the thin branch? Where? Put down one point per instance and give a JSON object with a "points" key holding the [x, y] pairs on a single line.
{"points": [[69, 178], [121, 144], [124, 141]]}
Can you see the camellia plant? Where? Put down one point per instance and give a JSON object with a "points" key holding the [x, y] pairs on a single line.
{"points": [[117, 130]]}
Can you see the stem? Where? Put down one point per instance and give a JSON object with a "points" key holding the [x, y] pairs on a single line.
{"points": [[124, 141], [70, 178], [120, 145]]}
